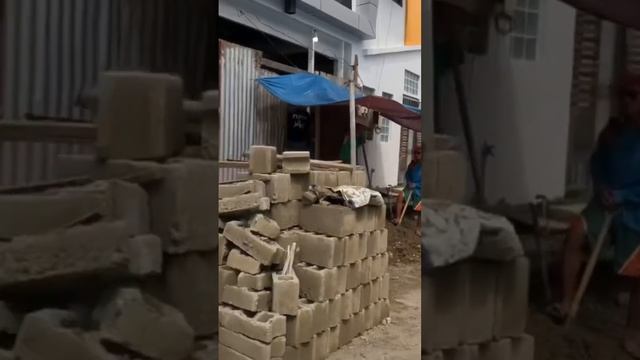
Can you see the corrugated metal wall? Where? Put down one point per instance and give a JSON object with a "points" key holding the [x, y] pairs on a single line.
{"points": [[248, 114], [55, 49]]}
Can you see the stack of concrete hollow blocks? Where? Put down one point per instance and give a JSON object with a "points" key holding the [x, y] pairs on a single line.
{"points": [[122, 267], [477, 310], [339, 286]]}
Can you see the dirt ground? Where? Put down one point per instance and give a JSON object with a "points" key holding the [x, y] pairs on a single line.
{"points": [[399, 339], [597, 332]]}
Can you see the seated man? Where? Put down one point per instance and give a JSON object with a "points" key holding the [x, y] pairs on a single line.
{"points": [[615, 169], [412, 193]]}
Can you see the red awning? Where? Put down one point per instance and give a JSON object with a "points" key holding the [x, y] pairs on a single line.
{"points": [[623, 12], [393, 111]]}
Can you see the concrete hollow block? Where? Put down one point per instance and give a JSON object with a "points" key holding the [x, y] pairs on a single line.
{"points": [[241, 204], [142, 324], [344, 178], [465, 352], [287, 215], [346, 307], [55, 335], [322, 345], [278, 186], [496, 350], [335, 307], [332, 220], [262, 249], [523, 347], [241, 188], [140, 115], [243, 262], [226, 276], [299, 185], [263, 159], [262, 326], [317, 284], [300, 326], [341, 284], [285, 292], [512, 298], [254, 349], [319, 249], [351, 249], [264, 226], [246, 299], [444, 298], [296, 162], [257, 282], [195, 298], [334, 339], [354, 275], [481, 300]]}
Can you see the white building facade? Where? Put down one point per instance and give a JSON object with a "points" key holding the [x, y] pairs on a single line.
{"points": [[519, 98]]}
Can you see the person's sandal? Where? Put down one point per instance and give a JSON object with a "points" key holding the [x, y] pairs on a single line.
{"points": [[556, 314]]}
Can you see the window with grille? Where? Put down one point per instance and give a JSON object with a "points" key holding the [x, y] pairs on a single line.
{"points": [[411, 82], [524, 35], [411, 101], [384, 122]]}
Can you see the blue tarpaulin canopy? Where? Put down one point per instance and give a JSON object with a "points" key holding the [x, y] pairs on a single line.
{"points": [[305, 89]]}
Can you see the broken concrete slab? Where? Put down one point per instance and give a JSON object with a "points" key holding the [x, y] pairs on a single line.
{"points": [[144, 325], [287, 215], [263, 159], [184, 204], [247, 299], [262, 326], [57, 260], [191, 286], [55, 335], [262, 225], [140, 115], [262, 249], [296, 162]]}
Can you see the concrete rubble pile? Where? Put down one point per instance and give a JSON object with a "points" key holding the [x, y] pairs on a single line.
{"points": [[122, 266], [477, 310], [338, 286]]}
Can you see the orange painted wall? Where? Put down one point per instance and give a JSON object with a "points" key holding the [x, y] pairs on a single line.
{"points": [[413, 23]]}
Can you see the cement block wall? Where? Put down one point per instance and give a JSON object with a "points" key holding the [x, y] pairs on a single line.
{"points": [[477, 310], [330, 298]]}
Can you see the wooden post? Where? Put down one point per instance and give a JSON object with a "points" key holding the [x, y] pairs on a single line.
{"points": [[352, 110]]}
